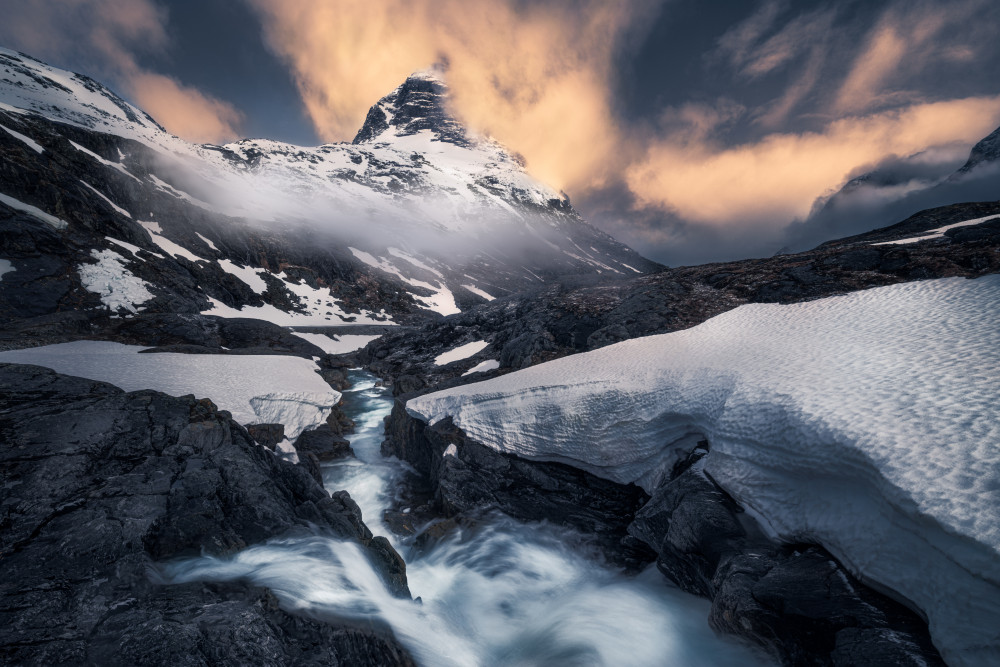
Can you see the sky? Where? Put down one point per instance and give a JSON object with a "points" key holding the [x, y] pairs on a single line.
{"points": [[693, 131]]}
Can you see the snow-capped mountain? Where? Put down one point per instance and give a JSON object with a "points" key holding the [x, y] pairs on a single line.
{"points": [[416, 217]]}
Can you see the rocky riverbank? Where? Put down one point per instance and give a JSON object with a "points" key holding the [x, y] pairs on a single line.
{"points": [[796, 601], [100, 485]]}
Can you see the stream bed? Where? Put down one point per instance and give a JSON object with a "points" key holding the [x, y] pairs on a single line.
{"points": [[502, 593]]}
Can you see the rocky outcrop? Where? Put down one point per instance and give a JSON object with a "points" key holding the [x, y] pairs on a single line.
{"points": [[797, 601], [467, 479], [100, 484], [986, 150], [794, 600]]}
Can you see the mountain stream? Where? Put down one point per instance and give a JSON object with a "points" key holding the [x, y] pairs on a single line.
{"points": [[502, 593]]}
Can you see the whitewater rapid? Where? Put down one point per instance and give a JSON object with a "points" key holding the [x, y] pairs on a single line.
{"points": [[503, 593]]}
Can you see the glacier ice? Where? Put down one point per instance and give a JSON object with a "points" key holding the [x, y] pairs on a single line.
{"points": [[869, 423]]}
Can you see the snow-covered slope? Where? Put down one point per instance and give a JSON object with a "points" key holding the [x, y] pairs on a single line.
{"points": [[438, 219], [869, 423]]}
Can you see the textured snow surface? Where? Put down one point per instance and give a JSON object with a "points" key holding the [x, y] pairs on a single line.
{"points": [[939, 232], [19, 205], [254, 388], [869, 423], [460, 352], [119, 288]]}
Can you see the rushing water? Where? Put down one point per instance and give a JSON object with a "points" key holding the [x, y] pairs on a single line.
{"points": [[507, 593]]}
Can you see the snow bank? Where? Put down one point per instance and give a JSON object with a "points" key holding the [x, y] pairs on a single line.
{"points": [[337, 344], [869, 423], [460, 352], [254, 388]]}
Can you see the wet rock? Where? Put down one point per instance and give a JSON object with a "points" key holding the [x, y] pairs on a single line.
{"points": [[268, 435], [336, 378], [797, 601], [100, 484], [468, 479], [323, 443]]}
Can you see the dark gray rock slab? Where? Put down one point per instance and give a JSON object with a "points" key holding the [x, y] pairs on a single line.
{"points": [[796, 601]]}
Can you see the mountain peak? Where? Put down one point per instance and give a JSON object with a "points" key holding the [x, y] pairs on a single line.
{"points": [[419, 103], [987, 150]]}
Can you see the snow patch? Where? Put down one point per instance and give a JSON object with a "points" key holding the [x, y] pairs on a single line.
{"points": [[119, 288], [939, 232], [440, 301], [254, 388], [483, 366], [869, 423], [482, 293], [248, 275], [460, 352], [6, 266], [105, 198], [134, 249], [207, 242], [450, 450], [107, 163], [277, 316], [31, 143], [336, 344], [167, 245], [34, 211]]}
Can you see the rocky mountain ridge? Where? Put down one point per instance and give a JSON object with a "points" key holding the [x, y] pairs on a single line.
{"points": [[132, 220]]}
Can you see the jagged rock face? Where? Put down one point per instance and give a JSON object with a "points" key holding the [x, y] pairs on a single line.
{"points": [[468, 479], [987, 150], [795, 600], [101, 484], [419, 104]]}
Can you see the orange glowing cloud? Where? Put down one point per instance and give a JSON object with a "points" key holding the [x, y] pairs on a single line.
{"points": [[534, 76], [184, 111], [107, 34], [768, 183]]}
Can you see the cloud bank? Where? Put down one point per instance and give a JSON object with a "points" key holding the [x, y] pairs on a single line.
{"points": [[541, 77]]}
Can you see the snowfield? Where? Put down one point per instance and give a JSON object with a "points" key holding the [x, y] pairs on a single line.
{"points": [[256, 389], [869, 423]]}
